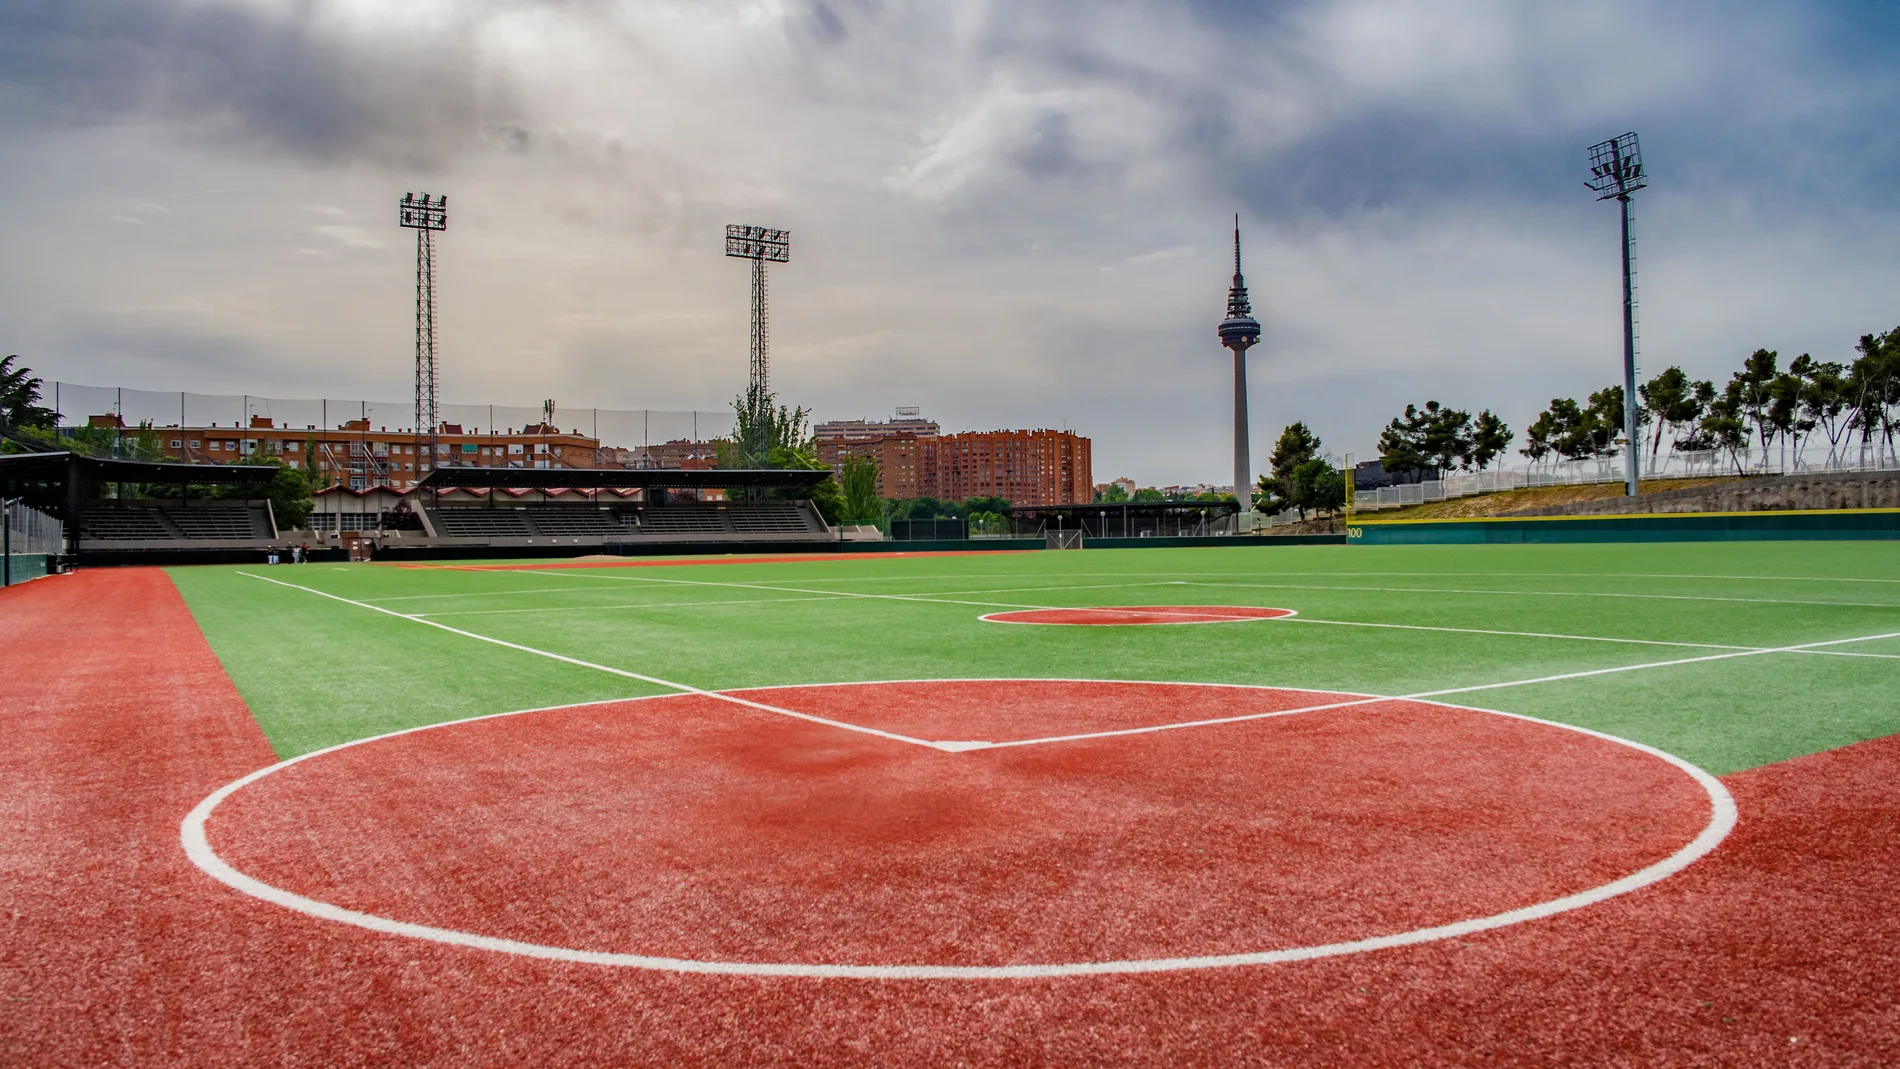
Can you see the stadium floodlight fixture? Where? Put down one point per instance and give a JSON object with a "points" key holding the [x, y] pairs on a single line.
{"points": [[421, 212], [758, 243], [1616, 171], [1616, 167]]}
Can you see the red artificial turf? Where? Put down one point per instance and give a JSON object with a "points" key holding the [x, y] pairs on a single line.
{"points": [[1126, 615], [694, 828], [1781, 948]]}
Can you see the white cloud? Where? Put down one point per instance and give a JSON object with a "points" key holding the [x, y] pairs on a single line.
{"points": [[353, 236]]}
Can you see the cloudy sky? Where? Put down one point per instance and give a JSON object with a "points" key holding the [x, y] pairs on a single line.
{"points": [[1012, 214]]}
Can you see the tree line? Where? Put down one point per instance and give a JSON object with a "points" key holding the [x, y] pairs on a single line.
{"points": [[1761, 406]]}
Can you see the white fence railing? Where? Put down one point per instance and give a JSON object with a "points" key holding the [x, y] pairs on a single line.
{"points": [[1610, 470]]}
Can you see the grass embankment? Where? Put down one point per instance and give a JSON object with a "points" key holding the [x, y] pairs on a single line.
{"points": [[1506, 502]]}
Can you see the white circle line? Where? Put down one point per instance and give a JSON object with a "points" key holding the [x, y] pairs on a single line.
{"points": [[197, 846], [991, 618]]}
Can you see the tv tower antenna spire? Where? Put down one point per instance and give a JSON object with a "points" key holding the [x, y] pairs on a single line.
{"points": [[1240, 331]]}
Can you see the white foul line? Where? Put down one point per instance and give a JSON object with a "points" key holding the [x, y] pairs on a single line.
{"points": [[655, 680], [1588, 638], [1433, 693], [1553, 594]]}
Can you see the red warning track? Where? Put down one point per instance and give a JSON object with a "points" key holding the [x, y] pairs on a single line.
{"points": [[1126, 615], [1782, 947]]}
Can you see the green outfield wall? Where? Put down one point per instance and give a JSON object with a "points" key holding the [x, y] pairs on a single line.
{"points": [[1793, 524]]}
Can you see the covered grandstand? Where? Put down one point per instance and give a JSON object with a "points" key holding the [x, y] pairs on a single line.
{"points": [[132, 511]]}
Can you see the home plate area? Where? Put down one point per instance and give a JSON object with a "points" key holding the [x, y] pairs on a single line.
{"points": [[694, 830]]}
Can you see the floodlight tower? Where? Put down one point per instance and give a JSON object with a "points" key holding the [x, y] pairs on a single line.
{"points": [[1616, 171], [1239, 332], [425, 216], [758, 244]]}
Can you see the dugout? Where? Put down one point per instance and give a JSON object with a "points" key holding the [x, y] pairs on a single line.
{"points": [[1129, 519]]}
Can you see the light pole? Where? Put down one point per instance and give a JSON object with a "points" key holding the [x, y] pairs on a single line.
{"points": [[1616, 171], [425, 217], [758, 244]]}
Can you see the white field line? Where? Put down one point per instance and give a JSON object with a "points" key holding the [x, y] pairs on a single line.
{"points": [[824, 596], [476, 594], [1426, 694], [1552, 594], [197, 846], [655, 680], [632, 605], [1587, 638]]}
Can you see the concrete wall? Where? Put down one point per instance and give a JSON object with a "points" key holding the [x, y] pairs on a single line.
{"points": [[1772, 493]]}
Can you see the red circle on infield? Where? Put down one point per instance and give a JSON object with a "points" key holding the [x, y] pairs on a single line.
{"points": [[1126, 615], [695, 828]]}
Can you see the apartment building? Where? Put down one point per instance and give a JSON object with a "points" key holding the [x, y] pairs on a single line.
{"points": [[360, 457]]}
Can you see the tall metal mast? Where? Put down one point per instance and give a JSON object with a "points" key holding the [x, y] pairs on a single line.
{"points": [[758, 244], [1616, 170], [1240, 331], [425, 217]]}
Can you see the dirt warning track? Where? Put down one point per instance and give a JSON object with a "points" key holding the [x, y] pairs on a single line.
{"points": [[1781, 947]]}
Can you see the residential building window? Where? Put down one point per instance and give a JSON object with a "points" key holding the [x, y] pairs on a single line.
{"points": [[514, 450], [197, 443]]}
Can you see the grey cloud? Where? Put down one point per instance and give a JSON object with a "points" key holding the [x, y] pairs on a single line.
{"points": [[297, 81]]}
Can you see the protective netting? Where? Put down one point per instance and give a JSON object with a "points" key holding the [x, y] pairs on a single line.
{"points": [[625, 428]]}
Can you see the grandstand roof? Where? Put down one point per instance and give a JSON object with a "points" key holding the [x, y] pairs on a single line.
{"points": [[603, 478], [58, 482]]}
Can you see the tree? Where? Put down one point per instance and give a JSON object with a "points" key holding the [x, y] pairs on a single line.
{"points": [[1149, 494], [1402, 443], [1824, 400], [1115, 494], [1490, 436], [1312, 486], [1672, 401], [1603, 423], [1296, 446], [858, 480], [1751, 392], [19, 396], [1722, 427], [1873, 384]]}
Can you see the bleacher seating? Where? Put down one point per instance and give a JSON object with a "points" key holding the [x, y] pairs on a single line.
{"points": [[125, 525], [769, 517], [684, 519], [482, 523], [222, 522], [581, 522]]}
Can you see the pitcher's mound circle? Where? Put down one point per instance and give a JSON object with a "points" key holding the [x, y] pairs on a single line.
{"points": [[1081, 834], [1128, 615]]}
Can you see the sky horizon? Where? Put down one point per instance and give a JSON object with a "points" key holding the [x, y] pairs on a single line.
{"points": [[1009, 215]]}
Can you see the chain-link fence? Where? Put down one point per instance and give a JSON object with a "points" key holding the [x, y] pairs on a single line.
{"points": [[29, 539], [75, 404]]}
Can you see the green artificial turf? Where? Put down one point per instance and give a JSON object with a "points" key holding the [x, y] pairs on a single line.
{"points": [[317, 671]]}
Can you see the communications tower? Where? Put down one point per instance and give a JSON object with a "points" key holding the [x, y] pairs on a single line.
{"points": [[1240, 331]]}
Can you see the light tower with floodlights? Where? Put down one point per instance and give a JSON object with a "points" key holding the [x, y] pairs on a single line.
{"points": [[760, 245], [1240, 331], [425, 216], [1616, 171]]}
